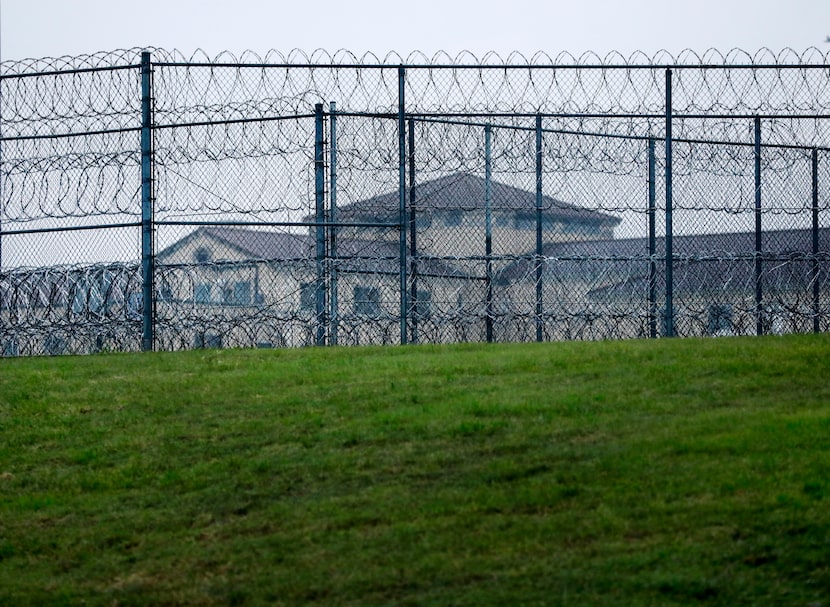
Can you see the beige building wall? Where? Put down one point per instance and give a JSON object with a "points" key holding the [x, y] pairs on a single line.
{"points": [[463, 234]]}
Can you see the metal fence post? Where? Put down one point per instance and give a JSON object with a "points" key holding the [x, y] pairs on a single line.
{"points": [[413, 233], [320, 220], [488, 229], [334, 314], [402, 199], [759, 287], [816, 267], [147, 225], [652, 242], [539, 227], [2, 205], [669, 319]]}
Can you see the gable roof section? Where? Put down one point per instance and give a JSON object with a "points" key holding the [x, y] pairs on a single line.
{"points": [[250, 244], [693, 248], [728, 244], [355, 255], [705, 263], [466, 192]]}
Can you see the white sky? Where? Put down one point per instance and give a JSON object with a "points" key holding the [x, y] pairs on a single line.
{"points": [[54, 28]]}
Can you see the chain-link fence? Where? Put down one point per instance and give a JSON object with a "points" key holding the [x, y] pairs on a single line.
{"points": [[150, 201]]}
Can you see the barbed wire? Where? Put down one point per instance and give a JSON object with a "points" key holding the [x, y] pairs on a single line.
{"points": [[810, 56], [102, 91], [97, 308]]}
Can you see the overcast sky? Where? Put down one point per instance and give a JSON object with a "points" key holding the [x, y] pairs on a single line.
{"points": [[54, 28]]}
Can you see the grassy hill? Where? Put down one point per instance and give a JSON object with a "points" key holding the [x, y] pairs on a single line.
{"points": [[669, 472]]}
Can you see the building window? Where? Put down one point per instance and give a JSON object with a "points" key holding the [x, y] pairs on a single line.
{"points": [[201, 292], [239, 294], [201, 255], [367, 301]]}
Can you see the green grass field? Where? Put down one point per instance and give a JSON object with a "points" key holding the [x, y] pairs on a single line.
{"points": [[670, 472]]}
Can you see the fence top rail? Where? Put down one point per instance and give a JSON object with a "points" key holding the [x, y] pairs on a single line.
{"points": [[711, 59], [417, 60], [70, 72]]}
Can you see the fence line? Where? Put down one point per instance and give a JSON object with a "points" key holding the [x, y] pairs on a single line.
{"points": [[152, 202]]}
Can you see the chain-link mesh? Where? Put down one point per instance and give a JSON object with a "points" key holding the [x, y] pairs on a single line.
{"points": [[153, 200]]}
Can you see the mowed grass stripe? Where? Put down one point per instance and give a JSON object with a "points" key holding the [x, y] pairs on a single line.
{"points": [[668, 472]]}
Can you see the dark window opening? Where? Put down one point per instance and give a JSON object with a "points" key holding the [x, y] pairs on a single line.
{"points": [[367, 301]]}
